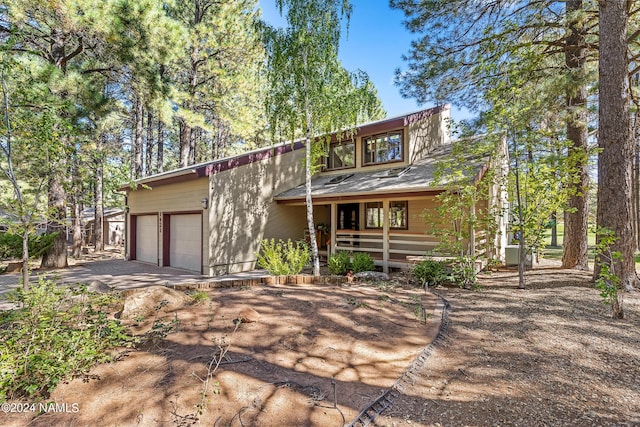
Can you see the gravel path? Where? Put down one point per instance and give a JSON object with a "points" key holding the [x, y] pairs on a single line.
{"points": [[546, 356]]}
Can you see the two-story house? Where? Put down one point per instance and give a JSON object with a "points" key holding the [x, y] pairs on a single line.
{"points": [[211, 217]]}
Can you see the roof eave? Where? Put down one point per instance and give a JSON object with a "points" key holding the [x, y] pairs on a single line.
{"points": [[412, 192]]}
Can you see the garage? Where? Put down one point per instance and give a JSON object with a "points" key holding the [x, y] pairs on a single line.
{"points": [[185, 241], [147, 238]]}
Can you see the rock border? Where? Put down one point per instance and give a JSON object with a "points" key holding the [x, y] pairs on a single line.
{"points": [[266, 280], [408, 378]]}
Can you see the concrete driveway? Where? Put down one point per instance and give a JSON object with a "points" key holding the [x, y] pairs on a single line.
{"points": [[118, 274]]}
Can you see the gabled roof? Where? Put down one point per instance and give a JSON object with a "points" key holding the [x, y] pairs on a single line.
{"points": [[417, 178], [216, 166]]}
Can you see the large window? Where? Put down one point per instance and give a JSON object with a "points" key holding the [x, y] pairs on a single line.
{"points": [[397, 215], [383, 148], [342, 155], [375, 214]]}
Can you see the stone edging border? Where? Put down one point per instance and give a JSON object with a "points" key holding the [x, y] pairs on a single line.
{"points": [[408, 378], [266, 280]]}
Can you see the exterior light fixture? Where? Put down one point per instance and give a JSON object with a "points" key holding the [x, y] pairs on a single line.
{"points": [[205, 203]]}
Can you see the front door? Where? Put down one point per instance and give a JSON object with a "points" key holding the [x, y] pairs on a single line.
{"points": [[349, 216]]}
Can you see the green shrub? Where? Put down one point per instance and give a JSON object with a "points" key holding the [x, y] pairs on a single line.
{"points": [[11, 245], [362, 262], [283, 258], [430, 272], [464, 272], [59, 334], [339, 263], [608, 282], [297, 255], [199, 297]]}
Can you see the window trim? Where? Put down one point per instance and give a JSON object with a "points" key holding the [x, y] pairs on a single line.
{"points": [[380, 206], [405, 220], [343, 142], [377, 135], [380, 214]]}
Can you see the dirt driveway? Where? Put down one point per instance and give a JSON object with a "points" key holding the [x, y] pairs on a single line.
{"points": [[109, 268]]}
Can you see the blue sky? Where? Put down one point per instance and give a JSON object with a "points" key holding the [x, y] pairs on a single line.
{"points": [[376, 41]]}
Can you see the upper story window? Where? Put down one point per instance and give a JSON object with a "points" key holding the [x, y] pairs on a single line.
{"points": [[342, 155], [383, 148]]}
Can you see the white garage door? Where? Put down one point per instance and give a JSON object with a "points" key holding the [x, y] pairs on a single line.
{"points": [[185, 242], [147, 238]]}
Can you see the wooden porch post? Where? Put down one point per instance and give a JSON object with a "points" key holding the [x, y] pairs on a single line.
{"points": [[385, 235], [334, 223], [472, 233]]}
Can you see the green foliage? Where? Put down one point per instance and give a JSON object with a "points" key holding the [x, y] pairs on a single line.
{"points": [[310, 93], [199, 297], [466, 205], [283, 258], [309, 89], [497, 61], [430, 272], [11, 245], [220, 45], [161, 329], [608, 282], [463, 47], [362, 261], [339, 263], [464, 272], [59, 333]]}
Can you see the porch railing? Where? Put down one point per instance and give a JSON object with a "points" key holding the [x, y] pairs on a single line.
{"points": [[400, 244]]}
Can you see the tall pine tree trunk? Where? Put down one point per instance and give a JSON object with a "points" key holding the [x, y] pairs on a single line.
{"points": [[98, 223], [160, 152], [575, 245], [149, 150], [56, 257], [220, 141], [635, 179], [76, 197], [187, 150], [636, 175], [76, 225], [136, 151], [185, 143], [522, 248], [615, 142]]}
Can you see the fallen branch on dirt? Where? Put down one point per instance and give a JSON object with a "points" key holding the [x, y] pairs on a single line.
{"points": [[225, 362], [212, 367]]}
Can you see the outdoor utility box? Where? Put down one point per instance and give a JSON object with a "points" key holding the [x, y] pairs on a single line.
{"points": [[511, 256]]}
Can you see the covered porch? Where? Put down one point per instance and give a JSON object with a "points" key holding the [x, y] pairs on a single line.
{"points": [[390, 229]]}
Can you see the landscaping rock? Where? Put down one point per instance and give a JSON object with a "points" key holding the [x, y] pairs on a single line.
{"points": [[248, 315], [14, 267], [98, 286], [147, 301], [371, 275]]}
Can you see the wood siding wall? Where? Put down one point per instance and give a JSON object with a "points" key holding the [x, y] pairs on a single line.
{"points": [[242, 211], [426, 134]]}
